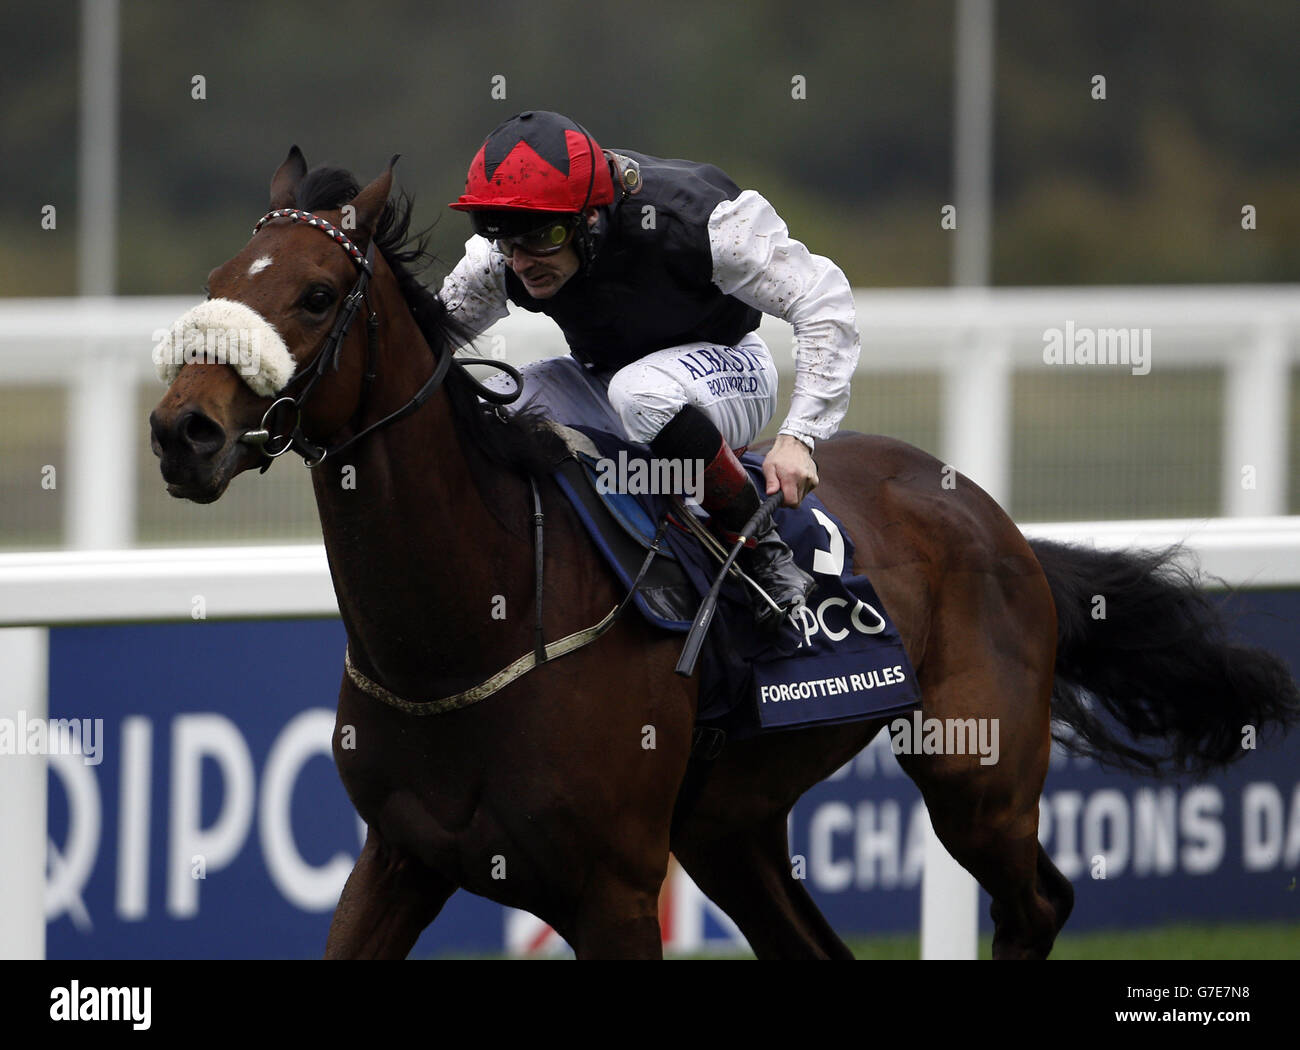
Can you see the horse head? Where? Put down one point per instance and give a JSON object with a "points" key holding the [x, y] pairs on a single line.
{"points": [[276, 321]]}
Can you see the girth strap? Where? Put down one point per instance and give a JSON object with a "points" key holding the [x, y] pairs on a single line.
{"points": [[483, 690], [519, 667]]}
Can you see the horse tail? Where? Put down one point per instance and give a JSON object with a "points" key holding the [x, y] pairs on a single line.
{"points": [[1146, 677]]}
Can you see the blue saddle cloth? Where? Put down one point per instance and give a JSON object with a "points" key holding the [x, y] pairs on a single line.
{"points": [[842, 660]]}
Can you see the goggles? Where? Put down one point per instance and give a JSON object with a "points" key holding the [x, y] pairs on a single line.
{"points": [[542, 240]]}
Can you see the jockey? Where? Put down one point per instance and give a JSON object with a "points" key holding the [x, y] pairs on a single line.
{"points": [[656, 272]]}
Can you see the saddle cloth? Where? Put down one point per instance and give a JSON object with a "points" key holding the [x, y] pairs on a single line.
{"points": [[840, 660]]}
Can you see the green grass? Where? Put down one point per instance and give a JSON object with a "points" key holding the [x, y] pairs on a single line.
{"points": [[1184, 941], [1176, 941]]}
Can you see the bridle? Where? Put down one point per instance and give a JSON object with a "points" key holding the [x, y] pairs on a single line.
{"points": [[275, 443], [314, 455]]}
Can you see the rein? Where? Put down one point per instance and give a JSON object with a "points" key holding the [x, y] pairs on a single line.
{"points": [[274, 443]]}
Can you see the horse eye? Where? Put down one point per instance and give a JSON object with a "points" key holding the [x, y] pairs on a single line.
{"points": [[318, 301]]}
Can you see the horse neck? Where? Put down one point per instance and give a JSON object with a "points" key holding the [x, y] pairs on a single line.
{"points": [[420, 562]]}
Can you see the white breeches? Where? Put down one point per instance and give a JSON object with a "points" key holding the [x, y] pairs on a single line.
{"points": [[735, 386]]}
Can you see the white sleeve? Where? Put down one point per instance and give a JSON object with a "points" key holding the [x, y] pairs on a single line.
{"points": [[475, 290], [756, 260]]}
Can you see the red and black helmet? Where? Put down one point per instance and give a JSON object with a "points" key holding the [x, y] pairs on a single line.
{"points": [[536, 161]]}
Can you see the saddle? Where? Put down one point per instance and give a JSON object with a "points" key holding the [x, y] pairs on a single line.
{"points": [[840, 659]]}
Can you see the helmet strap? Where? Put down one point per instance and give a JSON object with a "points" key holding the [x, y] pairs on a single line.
{"points": [[586, 249]]}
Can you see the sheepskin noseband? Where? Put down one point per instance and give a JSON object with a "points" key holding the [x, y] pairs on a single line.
{"points": [[226, 332]]}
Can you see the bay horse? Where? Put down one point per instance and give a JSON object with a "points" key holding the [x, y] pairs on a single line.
{"points": [[544, 796]]}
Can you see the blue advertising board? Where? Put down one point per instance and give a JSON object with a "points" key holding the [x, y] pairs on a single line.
{"points": [[211, 823]]}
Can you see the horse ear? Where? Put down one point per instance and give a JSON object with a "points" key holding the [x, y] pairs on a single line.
{"points": [[371, 200], [284, 183]]}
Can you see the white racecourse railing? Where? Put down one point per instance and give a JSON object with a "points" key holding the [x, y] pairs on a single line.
{"points": [[975, 338], [38, 590]]}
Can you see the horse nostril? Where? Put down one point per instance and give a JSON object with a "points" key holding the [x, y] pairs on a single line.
{"points": [[157, 434], [202, 435]]}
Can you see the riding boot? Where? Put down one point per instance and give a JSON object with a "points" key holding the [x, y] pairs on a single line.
{"points": [[730, 498]]}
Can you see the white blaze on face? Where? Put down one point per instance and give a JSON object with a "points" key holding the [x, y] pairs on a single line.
{"points": [[259, 265], [226, 332]]}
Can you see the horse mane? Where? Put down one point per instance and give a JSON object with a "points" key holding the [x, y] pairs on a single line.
{"points": [[522, 441]]}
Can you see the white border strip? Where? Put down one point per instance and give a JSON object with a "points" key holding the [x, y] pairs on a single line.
{"points": [[81, 587], [24, 655], [1242, 552]]}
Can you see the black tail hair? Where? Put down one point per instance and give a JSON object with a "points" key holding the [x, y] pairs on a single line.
{"points": [[1151, 682]]}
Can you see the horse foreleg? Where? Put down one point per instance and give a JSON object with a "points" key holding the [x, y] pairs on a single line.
{"points": [[389, 898], [748, 875], [616, 921]]}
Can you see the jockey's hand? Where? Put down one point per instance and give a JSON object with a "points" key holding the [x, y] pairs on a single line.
{"points": [[789, 468]]}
